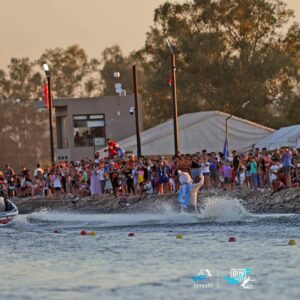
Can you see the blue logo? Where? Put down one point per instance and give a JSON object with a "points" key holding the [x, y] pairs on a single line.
{"points": [[201, 280], [240, 277]]}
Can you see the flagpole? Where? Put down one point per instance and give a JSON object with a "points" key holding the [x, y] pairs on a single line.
{"points": [[48, 75], [174, 96], [137, 113], [175, 111], [50, 120]]}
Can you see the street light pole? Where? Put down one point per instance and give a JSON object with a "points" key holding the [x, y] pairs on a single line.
{"points": [[226, 132], [136, 112], [48, 75], [230, 116], [174, 98]]}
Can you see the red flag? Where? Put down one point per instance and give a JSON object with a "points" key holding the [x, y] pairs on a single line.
{"points": [[170, 82], [46, 95]]}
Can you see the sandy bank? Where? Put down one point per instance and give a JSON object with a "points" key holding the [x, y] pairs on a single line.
{"points": [[286, 201]]}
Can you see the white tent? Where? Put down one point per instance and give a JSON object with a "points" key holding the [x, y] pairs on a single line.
{"points": [[285, 136], [198, 131]]}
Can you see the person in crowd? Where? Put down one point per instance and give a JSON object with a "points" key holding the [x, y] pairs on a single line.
{"points": [[236, 162], [297, 162], [78, 140], [267, 162], [56, 183], [38, 169], [205, 171], [26, 183], [38, 184], [257, 169], [115, 181], [97, 158], [101, 175], [163, 175], [213, 169], [286, 161], [242, 175], [279, 183], [3, 184], [8, 173], [114, 149], [261, 171], [247, 171], [253, 172], [195, 167], [226, 172], [9, 176], [145, 188], [95, 187]]}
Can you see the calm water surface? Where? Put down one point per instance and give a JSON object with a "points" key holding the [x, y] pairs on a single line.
{"points": [[37, 263]]}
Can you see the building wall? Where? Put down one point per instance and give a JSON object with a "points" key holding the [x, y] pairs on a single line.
{"points": [[119, 122]]}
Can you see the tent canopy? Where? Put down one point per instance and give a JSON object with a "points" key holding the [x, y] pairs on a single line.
{"points": [[285, 136], [198, 131]]}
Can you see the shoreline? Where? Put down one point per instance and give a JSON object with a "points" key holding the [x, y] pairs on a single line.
{"points": [[258, 202]]}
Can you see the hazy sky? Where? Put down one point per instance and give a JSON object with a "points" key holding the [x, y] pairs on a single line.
{"points": [[28, 27]]}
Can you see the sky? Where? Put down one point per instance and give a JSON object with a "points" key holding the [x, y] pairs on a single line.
{"points": [[28, 27]]}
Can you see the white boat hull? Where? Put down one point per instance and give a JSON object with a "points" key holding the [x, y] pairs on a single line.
{"points": [[7, 216]]}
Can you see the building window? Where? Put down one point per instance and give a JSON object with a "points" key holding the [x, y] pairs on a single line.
{"points": [[89, 130], [61, 132]]}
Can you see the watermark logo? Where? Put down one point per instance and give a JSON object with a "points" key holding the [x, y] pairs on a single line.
{"points": [[240, 277], [203, 279]]}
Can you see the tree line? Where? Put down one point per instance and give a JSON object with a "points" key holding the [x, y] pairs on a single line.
{"points": [[227, 52]]}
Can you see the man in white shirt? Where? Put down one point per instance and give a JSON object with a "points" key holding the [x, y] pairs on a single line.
{"points": [[37, 170]]}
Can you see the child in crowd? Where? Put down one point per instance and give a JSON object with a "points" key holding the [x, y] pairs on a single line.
{"points": [[226, 172]]}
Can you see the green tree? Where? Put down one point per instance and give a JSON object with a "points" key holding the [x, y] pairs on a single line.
{"points": [[23, 129], [229, 51], [24, 82], [113, 60], [24, 137], [263, 71], [73, 74]]}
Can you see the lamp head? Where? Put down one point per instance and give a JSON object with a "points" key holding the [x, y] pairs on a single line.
{"points": [[245, 103], [46, 69], [170, 46]]}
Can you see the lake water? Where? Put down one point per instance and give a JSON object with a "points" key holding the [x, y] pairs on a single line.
{"points": [[37, 263]]}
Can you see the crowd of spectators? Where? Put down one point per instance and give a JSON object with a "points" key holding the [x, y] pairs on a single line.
{"points": [[257, 169]]}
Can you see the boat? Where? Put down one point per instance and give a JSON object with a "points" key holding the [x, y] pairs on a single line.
{"points": [[8, 215]]}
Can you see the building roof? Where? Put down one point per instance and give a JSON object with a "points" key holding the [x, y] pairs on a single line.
{"points": [[285, 136], [198, 131]]}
